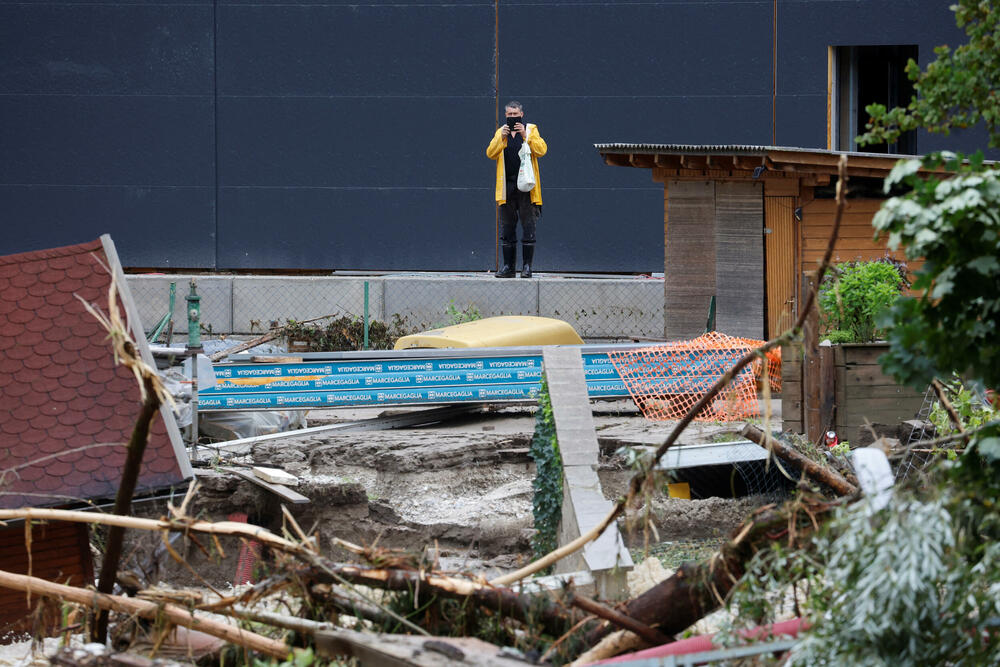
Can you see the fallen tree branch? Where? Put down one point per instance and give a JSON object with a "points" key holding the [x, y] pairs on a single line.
{"points": [[697, 589], [636, 483], [946, 404], [620, 620], [815, 471], [146, 609], [233, 528], [554, 617]]}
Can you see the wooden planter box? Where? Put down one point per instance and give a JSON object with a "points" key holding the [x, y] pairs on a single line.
{"points": [[863, 391], [843, 385]]}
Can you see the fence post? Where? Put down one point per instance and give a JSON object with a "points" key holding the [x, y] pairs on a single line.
{"points": [[366, 316], [811, 366]]}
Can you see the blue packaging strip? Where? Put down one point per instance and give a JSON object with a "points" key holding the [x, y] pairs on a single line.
{"points": [[375, 397], [433, 378], [441, 380]]}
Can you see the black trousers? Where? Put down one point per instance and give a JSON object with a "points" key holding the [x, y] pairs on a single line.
{"points": [[518, 207]]}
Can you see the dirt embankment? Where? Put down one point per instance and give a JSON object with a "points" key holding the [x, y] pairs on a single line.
{"points": [[468, 494]]}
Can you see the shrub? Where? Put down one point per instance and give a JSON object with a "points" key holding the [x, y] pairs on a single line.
{"points": [[344, 333], [855, 294]]}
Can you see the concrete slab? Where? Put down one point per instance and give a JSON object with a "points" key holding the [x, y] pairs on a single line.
{"points": [[423, 302], [257, 301], [584, 504], [151, 294], [605, 308]]}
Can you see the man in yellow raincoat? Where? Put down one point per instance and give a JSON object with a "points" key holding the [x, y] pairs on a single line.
{"points": [[515, 205]]}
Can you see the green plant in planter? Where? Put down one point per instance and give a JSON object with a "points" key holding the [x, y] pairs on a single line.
{"points": [[855, 294]]}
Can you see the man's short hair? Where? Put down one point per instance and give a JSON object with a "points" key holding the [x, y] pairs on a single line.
{"points": [[514, 104]]}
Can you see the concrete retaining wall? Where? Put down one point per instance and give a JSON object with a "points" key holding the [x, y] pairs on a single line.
{"points": [[599, 308]]}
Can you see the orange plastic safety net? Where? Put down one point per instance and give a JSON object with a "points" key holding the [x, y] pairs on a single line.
{"points": [[666, 380]]}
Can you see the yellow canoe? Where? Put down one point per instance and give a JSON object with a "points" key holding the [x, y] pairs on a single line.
{"points": [[503, 331]]}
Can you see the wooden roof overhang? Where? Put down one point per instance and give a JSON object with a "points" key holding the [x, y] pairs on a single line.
{"points": [[735, 162]]}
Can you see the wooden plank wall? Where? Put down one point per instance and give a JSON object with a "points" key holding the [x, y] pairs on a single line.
{"points": [[60, 552], [739, 258], [855, 239], [689, 272]]}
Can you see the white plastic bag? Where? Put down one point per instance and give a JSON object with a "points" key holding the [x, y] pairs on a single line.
{"points": [[526, 174]]}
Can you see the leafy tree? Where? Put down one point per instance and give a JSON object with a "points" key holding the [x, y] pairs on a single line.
{"points": [[952, 220], [918, 582]]}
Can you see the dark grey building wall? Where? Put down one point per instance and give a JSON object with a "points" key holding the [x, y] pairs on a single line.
{"points": [[325, 134]]}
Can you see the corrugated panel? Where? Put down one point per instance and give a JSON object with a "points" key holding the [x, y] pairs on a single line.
{"points": [[689, 271], [739, 251], [780, 246]]}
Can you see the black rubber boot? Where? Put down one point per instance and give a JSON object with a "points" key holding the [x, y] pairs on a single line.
{"points": [[527, 256], [509, 260]]}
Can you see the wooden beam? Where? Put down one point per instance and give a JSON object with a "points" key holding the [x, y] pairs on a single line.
{"points": [[748, 162], [667, 161], [814, 180], [694, 162], [616, 160], [642, 160]]}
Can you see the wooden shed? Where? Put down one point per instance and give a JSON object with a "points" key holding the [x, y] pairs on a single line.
{"points": [[742, 223]]}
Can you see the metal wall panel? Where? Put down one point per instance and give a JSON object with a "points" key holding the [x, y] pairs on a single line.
{"points": [[107, 126], [333, 116]]}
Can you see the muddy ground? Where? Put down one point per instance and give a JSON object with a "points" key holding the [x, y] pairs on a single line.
{"points": [[462, 487]]}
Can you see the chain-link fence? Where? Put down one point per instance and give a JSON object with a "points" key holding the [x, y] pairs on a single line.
{"points": [[619, 308]]}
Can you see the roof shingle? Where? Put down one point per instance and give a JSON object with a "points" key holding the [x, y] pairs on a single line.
{"points": [[67, 409]]}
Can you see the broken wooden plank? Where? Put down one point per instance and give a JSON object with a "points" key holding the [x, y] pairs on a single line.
{"points": [[275, 476], [283, 492]]}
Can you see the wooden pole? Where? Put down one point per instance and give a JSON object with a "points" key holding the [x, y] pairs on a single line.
{"points": [[811, 366], [813, 470]]}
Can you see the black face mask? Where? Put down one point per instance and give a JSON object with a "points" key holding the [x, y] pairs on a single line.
{"points": [[511, 122]]}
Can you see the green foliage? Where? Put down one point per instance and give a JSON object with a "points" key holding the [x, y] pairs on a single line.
{"points": [[854, 295], [345, 333], [972, 410], [919, 581], [457, 315], [957, 90], [954, 224], [913, 585], [547, 502]]}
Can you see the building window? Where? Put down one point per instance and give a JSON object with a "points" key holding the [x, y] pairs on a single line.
{"points": [[863, 75]]}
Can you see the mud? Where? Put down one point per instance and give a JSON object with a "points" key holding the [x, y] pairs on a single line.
{"points": [[463, 488]]}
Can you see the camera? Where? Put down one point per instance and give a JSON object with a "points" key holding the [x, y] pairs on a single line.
{"points": [[511, 122]]}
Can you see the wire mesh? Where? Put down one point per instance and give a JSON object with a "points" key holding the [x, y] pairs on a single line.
{"points": [[619, 308], [667, 380], [736, 480]]}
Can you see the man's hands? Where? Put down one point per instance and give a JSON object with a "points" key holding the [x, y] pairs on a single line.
{"points": [[518, 129]]}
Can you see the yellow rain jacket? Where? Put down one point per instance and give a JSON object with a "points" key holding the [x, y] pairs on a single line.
{"points": [[495, 152]]}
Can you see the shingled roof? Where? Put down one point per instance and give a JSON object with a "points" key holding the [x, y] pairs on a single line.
{"points": [[66, 410]]}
